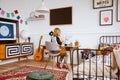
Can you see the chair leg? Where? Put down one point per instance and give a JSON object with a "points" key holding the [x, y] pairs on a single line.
{"points": [[53, 63], [47, 62]]}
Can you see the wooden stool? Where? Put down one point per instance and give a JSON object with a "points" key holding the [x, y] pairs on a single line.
{"points": [[40, 76]]}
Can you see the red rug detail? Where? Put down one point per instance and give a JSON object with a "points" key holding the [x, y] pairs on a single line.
{"points": [[21, 73]]}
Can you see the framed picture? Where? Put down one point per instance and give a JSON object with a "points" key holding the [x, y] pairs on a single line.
{"points": [[61, 16], [118, 10], [9, 30], [106, 17], [46, 55], [102, 3]]}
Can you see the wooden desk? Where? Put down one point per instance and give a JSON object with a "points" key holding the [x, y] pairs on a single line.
{"points": [[68, 48]]}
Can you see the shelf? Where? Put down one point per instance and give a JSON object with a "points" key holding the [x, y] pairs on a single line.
{"points": [[34, 19]]}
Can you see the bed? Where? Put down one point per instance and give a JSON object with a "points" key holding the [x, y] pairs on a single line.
{"points": [[103, 65]]}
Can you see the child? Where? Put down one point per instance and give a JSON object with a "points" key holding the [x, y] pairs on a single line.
{"points": [[62, 59]]}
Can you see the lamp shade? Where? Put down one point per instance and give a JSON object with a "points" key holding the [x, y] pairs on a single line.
{"points": [[43, 8]]}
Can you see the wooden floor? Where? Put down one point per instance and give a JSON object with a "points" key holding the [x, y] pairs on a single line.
{"points": [[9, 66]]}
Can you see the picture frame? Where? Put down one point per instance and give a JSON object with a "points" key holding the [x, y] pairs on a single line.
{"points": [[61, 16], [102, 3], [106, 17], [45, 55], [118, 10], [9, 31]]}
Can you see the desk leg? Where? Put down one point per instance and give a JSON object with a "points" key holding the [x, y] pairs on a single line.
{"points": [[18, 59], [70, 56], [26, 57]]}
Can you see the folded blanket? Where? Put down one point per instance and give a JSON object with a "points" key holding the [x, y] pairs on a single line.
{"points": [[115, 61], [116, 56]]}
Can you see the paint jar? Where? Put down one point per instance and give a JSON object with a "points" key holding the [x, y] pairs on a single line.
{"points": [[76, 43]]}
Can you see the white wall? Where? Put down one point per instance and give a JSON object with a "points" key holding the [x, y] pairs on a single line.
{"points": [[85, 27]]}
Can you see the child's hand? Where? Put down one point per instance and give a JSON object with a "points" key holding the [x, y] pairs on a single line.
{"points": [[62, 40]]}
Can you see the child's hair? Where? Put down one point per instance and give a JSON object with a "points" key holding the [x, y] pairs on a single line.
{"points": [[57, 32]]}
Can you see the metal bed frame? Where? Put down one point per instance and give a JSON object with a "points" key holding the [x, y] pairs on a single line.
{"points": [[109, 39], [77, 51]]}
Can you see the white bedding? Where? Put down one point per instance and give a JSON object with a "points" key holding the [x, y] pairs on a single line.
{"points": [[115, 64], [69, 76], [93, 68]]}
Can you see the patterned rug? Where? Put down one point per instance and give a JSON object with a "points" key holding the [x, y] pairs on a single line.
{"points": [[20, 73]]}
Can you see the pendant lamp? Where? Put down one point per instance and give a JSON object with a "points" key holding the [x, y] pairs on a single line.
{"points": [[43, 8]]}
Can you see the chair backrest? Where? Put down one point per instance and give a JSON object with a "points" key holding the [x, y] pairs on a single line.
{"points": [[52, 46], [53, 39]]}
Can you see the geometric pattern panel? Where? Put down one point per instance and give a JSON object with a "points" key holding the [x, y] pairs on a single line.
{"points": [[12, 50], [27, 49]]}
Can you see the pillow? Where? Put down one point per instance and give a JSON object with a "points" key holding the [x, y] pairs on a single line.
{"points": [[86, 53], [115, 45], [99, 52], [102, 45], [105, 49]]}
